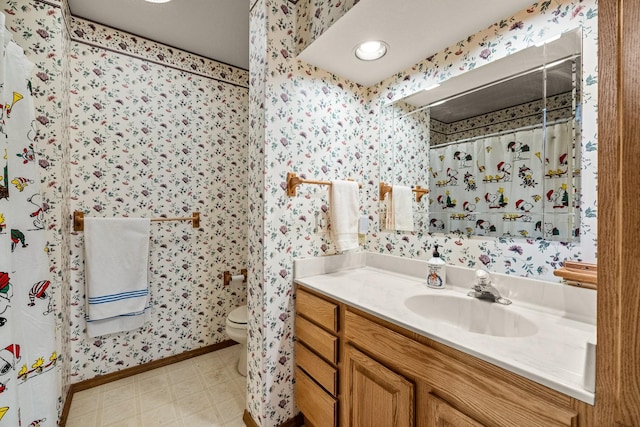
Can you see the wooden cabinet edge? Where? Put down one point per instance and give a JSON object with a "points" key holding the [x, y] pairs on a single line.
{"points": [[586, 413]]}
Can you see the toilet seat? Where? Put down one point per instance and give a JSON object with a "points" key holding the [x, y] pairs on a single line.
{"points": [[238, 318]]}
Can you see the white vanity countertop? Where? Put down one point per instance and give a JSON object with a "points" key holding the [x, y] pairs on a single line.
{"points": [[553, 356]]}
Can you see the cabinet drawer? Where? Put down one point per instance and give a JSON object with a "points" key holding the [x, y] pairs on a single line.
{"points": [[316, 338], [315, 403], [325, 374], [322, 312]]}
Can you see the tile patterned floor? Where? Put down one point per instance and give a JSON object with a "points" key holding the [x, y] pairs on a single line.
{"points": [[203, 391]]}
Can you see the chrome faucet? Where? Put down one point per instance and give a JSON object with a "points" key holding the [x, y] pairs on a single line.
{"points": [[483, 289]]}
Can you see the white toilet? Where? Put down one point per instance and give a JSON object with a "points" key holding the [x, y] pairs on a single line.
{"points": [[237, 331]]}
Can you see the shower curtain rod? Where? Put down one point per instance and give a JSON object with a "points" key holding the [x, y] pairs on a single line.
{"points": [[78, 220], [504, 132]]}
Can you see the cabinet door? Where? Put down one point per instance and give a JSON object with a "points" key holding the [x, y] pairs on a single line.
{"points": [[375, 395], [441, 414]]}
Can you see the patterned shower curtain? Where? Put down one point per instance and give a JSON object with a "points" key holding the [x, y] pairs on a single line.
{"points": [[515, 184], [29, 370]]}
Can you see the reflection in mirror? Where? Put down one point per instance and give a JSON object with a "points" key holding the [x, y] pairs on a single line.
{"points": [[502, 152], [412, 150]]}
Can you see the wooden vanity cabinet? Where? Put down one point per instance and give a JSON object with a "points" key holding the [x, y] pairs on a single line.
{"points": [[453, 388], [389, 376], [317, 354]]}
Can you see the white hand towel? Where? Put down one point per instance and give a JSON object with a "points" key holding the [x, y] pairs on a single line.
{"points": [[402, 202], [343, 207], [116, 270]]}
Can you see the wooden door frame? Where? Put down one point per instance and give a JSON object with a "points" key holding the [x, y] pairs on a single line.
{"points": [[618, 349]]}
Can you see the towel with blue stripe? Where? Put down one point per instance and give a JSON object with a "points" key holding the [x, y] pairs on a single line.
{"points": [[116, 270]]}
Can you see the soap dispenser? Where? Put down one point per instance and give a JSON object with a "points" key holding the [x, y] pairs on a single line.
{"points": [[437, 276]]}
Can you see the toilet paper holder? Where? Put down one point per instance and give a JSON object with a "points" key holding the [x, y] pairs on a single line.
{"points": [[227, 277]]}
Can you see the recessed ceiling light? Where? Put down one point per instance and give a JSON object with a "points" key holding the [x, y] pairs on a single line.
{"points": [[371, 50]]}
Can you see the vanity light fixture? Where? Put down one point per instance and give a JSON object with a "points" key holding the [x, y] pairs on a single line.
{"points": [[433, 86], [157, 1], [371, 50], [547, 41]]}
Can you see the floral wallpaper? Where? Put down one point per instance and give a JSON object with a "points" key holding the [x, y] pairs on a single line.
{"points": [[149, 140], [256, 304], [324, 127], [93, 34], [313, 126], [64, 212], [314, 17], [404, 139]]}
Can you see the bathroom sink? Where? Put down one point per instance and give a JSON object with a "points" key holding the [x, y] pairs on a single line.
{"points": [[472, 314]]}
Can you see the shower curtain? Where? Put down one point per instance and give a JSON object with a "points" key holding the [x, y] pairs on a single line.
{"points": [[30, 379], [517, 184]]}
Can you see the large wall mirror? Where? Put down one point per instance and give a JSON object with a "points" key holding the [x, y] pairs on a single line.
{"points": [[498, 147]]}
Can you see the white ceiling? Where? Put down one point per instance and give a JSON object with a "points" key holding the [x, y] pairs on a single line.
{"points": [[413, 29], [219, 29], [216, 29]]}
